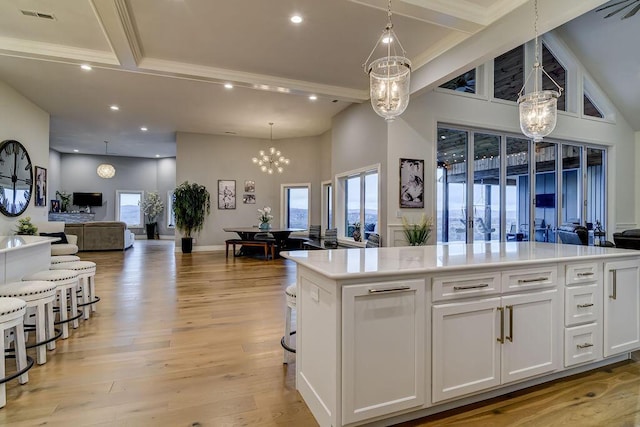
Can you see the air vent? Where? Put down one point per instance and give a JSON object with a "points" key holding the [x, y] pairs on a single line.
{"points": [[35, 14]]}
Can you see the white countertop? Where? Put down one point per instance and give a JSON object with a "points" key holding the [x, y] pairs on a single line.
{"points": [[13, 243], [353, 263]]}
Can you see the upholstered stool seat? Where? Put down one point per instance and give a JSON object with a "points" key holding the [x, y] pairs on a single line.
{"points": [[57, 259], [12, 311], [290, 294], [39, 296], [87, 273], [67, 283]]}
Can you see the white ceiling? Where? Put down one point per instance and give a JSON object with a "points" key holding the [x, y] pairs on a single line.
{"points": [[164, 62]]}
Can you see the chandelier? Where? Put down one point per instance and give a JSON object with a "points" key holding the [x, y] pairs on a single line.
{"points": [[271, 161], [538, 109], [389, 76], [106, 170]]}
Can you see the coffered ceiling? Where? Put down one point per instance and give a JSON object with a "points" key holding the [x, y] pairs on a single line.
{"points": [[165, 63]]}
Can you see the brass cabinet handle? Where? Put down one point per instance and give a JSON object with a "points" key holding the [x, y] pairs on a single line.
{"points": [[615, 285], [585, 345], [388, 290], [501, 339], [538, 279], [585, 274], [510, 336], [585, 305], [462, 288]]}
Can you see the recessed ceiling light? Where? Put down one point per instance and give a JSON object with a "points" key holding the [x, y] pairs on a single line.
{"points": [[296, 19], [86, 67], [144, 129], [313, 97], [114, 107], [228, 86], [76, 150]]}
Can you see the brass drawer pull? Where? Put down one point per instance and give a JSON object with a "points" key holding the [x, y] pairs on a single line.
{"points": [[510, 337], [388, 290], [585, 305], [585, 345], [463, 288], [501, 339], [538, 279]]}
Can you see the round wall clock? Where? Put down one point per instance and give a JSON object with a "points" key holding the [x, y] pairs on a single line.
{"points": [[16, 178]]}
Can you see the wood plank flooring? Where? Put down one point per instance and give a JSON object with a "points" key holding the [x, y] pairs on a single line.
{"points": [[194, 340]]}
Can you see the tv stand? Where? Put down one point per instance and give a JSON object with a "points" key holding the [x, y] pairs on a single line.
{"points": [[71, 218]]}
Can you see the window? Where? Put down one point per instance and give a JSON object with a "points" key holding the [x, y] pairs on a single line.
{"points": [[557, 72], [358, 201], [171, 216], [508, 74], [296, 205], [128, 208], [327, 205], [463, 83], [590, 109]]}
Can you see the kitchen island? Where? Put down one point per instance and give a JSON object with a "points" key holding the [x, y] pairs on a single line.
{"points": [[390, 334]]}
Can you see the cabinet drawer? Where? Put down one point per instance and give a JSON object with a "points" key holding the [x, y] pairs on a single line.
{"points": [[582, 344], [463, 286], [532, 278], [582, 304], [582, 273]]}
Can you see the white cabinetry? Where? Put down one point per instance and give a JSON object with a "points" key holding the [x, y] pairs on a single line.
{"points": [[383, 349], [483, 343], [621, 306]]}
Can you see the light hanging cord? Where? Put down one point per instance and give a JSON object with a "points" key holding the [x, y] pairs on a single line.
{"points": [[538, 110], [389, 76], [271, 161]]}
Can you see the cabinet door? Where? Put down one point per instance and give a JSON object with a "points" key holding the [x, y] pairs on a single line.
{"points": [[383, 349], [533, 340], [466, 350], [621, 306]]}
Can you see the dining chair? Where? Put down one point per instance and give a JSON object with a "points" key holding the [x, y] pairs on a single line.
{"points": [[373, 241], [331, 238]]}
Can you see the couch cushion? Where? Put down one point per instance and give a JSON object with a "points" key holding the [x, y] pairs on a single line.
{"points": [[61, 235], [632, 233]]}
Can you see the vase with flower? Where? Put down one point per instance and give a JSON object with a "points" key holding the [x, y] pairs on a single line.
{"points": [[265, 217]]}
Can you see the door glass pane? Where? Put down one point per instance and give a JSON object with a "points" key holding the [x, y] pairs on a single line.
{"points": [[298, 207], [451, 187], [486, 187], [517, 191], [129, 209], [370, 204], [595, 188], [571, 185], [544, 220], [352, 206]]}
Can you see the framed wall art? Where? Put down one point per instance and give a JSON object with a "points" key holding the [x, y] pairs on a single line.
{"points": [[249, 186], [411, 183], [249, 199], [226, 194], [41, 186]]}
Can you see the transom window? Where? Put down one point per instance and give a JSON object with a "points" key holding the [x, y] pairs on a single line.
{"points": [[465, 82], [508, 74], [128, 208]]}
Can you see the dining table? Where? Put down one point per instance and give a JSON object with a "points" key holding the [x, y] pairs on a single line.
{"points": [[280, 234]]}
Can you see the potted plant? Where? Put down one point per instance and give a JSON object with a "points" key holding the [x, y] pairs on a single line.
{"points": [[65, 199], [418, 233], [191, 204], [25, 227], [152, 206]]}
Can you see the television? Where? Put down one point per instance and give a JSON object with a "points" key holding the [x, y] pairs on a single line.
{"points": [[87, 199], [545, 200]]}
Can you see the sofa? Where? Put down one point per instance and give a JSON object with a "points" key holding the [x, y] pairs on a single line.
{"points": [[55, 228], [101, 235], [573, 234], [628, 239]]}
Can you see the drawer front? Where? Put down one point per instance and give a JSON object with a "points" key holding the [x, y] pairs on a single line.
{"points": [[532, 278], [582, 344], [582, 304], [577, 274], [463, 286]]}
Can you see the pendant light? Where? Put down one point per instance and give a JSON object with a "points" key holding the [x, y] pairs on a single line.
{"points": [[106, 170], [538, 110], [271, 161], [389, 76]]}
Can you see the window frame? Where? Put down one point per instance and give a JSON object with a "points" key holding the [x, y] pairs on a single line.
{"points": [[339, 192], [327, 204], [170, 214], [117, 216], [284, 206]]}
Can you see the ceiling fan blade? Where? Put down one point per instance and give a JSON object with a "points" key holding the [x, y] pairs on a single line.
{"points": [[611, 5], [633, 12]]}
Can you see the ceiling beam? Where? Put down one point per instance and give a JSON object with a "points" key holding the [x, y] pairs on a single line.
{"points": [[119, 29]]}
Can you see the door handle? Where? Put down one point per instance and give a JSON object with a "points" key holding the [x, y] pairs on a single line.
{"points": [[501, 339], [615, 285], [510, 336]]}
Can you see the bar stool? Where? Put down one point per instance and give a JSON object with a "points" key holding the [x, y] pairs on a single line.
{"points": [[12, 312], [285, 342], [39, 297], [86, 274], [67, 284], [57, 259]]}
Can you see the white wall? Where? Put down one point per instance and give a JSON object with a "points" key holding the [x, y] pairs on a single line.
{"points": [[23, 121], [205, 159]]}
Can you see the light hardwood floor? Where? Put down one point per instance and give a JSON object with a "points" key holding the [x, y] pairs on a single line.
{"points": [[194, 340]]}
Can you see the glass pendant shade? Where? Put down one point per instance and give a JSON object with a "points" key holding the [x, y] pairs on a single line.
{"points": [[389, 79], [105, 170], [271, 160], [538, 113]]}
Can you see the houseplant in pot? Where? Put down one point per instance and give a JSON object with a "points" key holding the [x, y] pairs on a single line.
{"points": [[191, 204], [152, 206], [417, 233]]}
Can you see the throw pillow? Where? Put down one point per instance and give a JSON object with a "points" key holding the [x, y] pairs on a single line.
{"points": [[61, 235]]}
